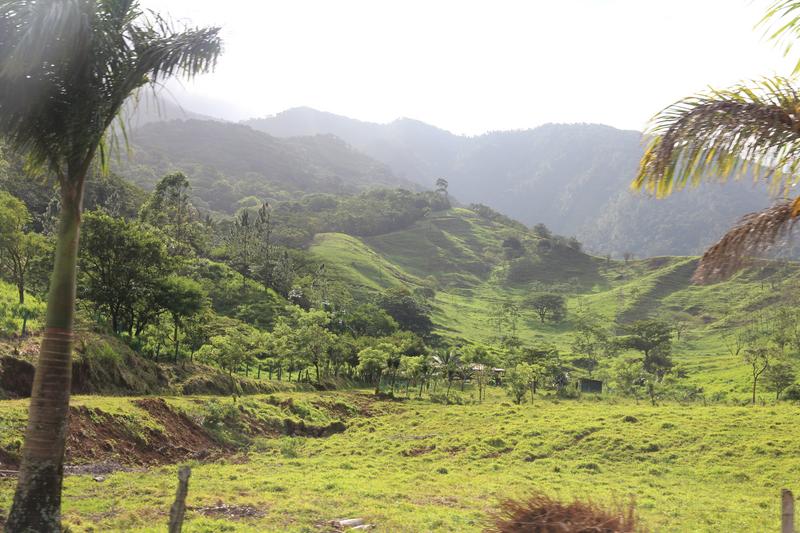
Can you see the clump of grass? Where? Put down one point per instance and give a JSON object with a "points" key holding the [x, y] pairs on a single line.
{"points": [[542, 514]]}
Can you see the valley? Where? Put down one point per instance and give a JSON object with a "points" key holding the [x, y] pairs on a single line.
{"points": [[225, 318]]}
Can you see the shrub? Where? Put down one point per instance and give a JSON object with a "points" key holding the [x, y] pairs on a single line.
{"points": [[792, 393], [543, 514]]}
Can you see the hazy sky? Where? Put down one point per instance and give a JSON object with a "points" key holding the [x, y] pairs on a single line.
{"points": [[470, 66]]}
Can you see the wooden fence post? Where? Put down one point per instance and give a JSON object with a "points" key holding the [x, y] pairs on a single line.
{"points": [[178, 509], [787, 511]]}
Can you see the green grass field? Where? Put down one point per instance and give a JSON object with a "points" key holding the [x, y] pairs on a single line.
{"points": [[417, 466]]}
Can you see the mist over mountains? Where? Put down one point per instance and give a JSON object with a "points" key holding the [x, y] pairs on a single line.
{"points": [[574, 178]]}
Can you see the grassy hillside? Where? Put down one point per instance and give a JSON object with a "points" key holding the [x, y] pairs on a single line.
{"points": [[417, 466], [461, 254]]}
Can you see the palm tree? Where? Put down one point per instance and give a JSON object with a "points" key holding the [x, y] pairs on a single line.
{"points": [[66, 69], [727, 134]]}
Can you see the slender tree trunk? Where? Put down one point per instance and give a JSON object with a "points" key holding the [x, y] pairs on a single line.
{"points": [[755, 380], [37, 500], [21, 289], [177, 341]]}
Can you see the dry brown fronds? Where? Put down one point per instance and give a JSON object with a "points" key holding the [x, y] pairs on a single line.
{"points": [[753, 235], [542, 514]]}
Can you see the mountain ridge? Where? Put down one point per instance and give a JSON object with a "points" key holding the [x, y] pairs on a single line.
{"points": [[572, 177]]}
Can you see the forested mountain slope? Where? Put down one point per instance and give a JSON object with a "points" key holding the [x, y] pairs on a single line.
{"points": [[573, 178], [229, 162]]}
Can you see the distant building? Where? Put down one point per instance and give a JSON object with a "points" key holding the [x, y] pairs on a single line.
{"points": [[592, 386]]}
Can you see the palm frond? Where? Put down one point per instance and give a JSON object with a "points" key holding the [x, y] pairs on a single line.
{"points": [[753, 235], [781, 23], [80, 61], [33, 33], [724, 134]]}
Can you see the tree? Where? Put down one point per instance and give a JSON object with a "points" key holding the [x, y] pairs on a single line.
{"points": [[410, 369], [630, 377], [654, 339], [778, 376], [410, 313], [441, 188], [371, 364], [122, 265], [232, 350], [182, 298], [241, 244], [169, 208], [481, 361], [542, 231], [758, 358], [730, 133], [370, 320], [312, 338], [519, 381], [548, 306], [18, 250], [591, 340], [66, 69], [265, 249]]}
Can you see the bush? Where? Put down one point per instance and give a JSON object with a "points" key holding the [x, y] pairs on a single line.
{"points": [[453, 399], [568, 393], [222, 415], [792, 393]]}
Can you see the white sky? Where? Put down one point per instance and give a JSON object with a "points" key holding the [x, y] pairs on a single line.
{"points": [[471, 66]]}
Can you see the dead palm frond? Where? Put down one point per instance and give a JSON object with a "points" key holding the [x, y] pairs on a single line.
{"points": [[753, 235], [725, 134]]}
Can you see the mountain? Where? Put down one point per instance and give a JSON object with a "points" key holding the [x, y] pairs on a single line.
{"points": [[574, 178], [227, 162]]}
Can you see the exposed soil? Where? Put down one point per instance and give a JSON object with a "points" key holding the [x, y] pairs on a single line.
{"points": [[421, 450], [98, 437], [229, 512], [300, 429], [99, 443], [16, 377], [8, 461]]}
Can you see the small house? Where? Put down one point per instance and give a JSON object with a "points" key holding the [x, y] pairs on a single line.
{"points": [[592, 386]]}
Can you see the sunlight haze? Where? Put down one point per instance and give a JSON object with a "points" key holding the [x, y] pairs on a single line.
{"points": [[473, 66]]}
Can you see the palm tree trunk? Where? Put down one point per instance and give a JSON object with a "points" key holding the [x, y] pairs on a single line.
{"points": [[37, 501]]}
